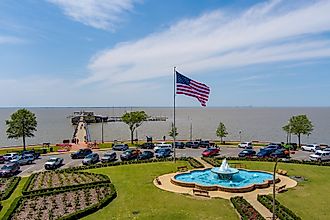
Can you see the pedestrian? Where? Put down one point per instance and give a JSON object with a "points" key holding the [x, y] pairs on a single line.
{"points": [[164, 138]]}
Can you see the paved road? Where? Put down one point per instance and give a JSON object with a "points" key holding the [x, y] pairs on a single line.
{"points": [[38, 165]]}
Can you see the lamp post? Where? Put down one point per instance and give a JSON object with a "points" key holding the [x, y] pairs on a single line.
{"points": [[240, 136], [102, 132], [274, 203]]}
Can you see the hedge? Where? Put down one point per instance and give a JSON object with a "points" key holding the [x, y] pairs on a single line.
{"points": [[12, 186], [282, 212], [214, 161], [76, 215], [25, 190], [245, 209]]}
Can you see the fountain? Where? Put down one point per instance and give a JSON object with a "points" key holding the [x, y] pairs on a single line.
{"points": [[224, 178], [224, 171]]}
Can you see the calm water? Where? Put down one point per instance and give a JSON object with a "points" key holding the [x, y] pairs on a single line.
{"points": [[254, 124], [241, 179]]}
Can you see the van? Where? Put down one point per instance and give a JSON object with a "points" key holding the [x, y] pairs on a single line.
{"points": [[163, 145]]}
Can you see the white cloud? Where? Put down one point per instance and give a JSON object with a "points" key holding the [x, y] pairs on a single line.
{"points": [[268, 32], [101, 14]]}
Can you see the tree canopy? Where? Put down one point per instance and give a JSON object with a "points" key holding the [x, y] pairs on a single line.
{"points": [[298, 125], [221, 131], [173, 131], [134, 120], [22, 123]]}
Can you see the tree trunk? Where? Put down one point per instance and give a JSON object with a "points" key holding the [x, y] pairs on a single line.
{"points": [[24, 145], [221, 140], [132, 136], [299, 140]]}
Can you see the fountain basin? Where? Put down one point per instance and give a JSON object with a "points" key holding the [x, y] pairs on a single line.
{"points": [[242, 181]]}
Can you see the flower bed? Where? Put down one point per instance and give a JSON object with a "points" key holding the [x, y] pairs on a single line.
{"points": [[282, 212], [64, 204], [245, 209], [7, 186], [46, 181]]}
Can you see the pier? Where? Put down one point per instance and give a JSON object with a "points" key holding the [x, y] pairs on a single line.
{"points": [[151, 118], [81, 133]]}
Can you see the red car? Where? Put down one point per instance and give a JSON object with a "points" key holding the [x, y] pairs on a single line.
{"points": [[210, 152]]}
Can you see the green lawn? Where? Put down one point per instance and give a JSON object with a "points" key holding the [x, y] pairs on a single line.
{"points": [[138, 198], [18, 192], [310, 199]]}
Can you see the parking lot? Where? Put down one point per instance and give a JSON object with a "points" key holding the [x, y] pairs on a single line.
{"points": [[38, 165]]}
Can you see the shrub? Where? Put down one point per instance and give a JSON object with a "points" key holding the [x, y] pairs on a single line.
{"points": [[245, 209], [13, 182]]}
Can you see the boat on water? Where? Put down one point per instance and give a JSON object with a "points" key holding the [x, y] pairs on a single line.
{"points": [[88, 117]]}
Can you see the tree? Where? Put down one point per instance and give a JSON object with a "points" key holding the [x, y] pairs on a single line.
{"points": [[134, 120], [287, 129], [22, 123], [299, 125], [221, 131], [173, 132]]}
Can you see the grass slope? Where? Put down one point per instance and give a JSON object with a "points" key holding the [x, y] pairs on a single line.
{"points": [[138, 198]]}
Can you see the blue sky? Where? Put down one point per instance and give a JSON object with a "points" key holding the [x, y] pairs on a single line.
{"points": [[122, 52]]}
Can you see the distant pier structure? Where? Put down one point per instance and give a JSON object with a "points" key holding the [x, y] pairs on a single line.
{"points": [[89, 117]]}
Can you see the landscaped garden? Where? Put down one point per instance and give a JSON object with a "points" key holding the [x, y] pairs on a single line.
{"points": [[138, 197]]}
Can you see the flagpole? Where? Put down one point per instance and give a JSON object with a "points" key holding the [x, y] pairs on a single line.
{"points": [[173, 128]]}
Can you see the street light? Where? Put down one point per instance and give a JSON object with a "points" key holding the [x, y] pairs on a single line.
{"points": [[240, 136]]}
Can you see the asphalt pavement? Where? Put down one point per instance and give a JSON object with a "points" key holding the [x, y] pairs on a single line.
{"points": [[38, 165]]}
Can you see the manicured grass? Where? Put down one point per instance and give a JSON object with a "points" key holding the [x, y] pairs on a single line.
{"points": [[138, 198], [17, 149], [310, 199], [18, 192]]}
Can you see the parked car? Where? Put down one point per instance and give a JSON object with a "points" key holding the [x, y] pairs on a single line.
{"points": [[108, 157], [192, 144], [23, 159], [148, 145], [246, 145], [326, 149], [10, 156], [120, 147], [91, 159], [291, 146], [310, 147], [179, 145], [35, 154], [81, 153], [2, 159], [53, 163], [204, 144], [272, 147], [209, 152], [281, 153], [264, 153], [320, 156], [247, 153], [162, 153], [130, 154], [146, 155], [9, 169], [163, 145]]}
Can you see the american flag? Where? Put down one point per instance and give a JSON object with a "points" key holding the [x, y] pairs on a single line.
{"points": [[189, 87]]}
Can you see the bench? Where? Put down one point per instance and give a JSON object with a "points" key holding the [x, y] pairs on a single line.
{"points": [[182, 169], [158, 181], [281, 189], [199, 192], [282, 172]]}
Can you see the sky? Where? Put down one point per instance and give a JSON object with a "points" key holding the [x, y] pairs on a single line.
{"points": [[122, 52]]}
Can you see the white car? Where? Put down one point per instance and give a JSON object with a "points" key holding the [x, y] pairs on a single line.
{"points": [[320, 155], [53, 163], [10, 156], [310, 147], [162, 145], [246, 145]]}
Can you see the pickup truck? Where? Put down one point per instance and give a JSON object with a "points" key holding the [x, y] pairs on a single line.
{"points": [[163, 145], [81, 153]]}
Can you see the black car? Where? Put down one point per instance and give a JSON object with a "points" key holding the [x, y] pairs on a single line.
{"points": [[179, 145], [120, 147], [247, 153], [192, 144], [9, 169], [264, 153], [148, 145], [204, 144], [273, 147], [146, 155], [81, 153], [281, 153]]}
